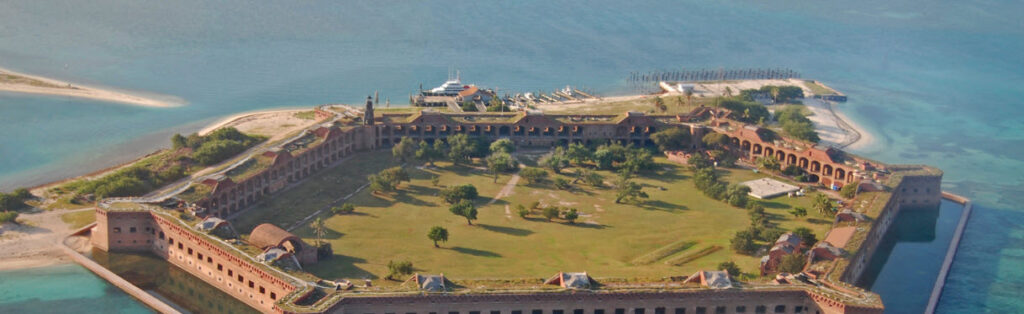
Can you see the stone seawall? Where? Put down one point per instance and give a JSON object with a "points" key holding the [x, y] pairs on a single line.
{"points": [[954, 245], [114, 279]]}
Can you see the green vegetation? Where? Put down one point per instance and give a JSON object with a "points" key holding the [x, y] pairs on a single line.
{"points": [[15, 200], [78, 219], [466, 209], [795, 123], [459, 193], [9, 216], [387, 180], [396, 270], [805, 235], [604, 238], [163, 168], [306, 115], [792, 263], [468, 106], [730, 267], [344, 209], [745, 111], [850, 190], [663, 252], [671, 139], [818, 89], [533, 175], [438, 233]]}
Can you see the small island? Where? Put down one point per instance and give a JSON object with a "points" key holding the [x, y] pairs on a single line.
{"points": [[725, 197]]}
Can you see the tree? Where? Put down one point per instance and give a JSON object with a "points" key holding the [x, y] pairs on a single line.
{"points": [[577, 153], [319, 229], [571, 215], [501, 162], [178, 141], [798, 212], [9, 216], [460, 148], [458, 193], [212, 152], [466, 209], [430, 153], [438, 233], [715, 140], [22, 194], [637, 160], [792, 263], [628, 191], [671, 139], [405, 149], [345, 208], [400, 268], [850, 190], [659, 104], [522, 211], [503, 145], [743, 242], [823, 204], [550, 212], [589, 177], [806, 235], [699, 161], [768, 163], [730, 267], [533, 175], [555, 160], [737, 195], [388, 179]]}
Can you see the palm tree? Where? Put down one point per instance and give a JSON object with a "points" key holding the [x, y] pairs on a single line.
{"points": [[319, 229], [823, 204]]}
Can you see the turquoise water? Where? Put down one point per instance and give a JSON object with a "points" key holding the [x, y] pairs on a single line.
{"points": [[936, 82], [62, 289]]}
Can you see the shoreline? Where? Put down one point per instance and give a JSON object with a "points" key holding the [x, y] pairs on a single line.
{"points": [[54, 87]]}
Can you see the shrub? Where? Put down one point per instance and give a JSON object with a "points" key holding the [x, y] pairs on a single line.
{"points": [[533, 175], [562, 183], [550, 212], [9, 216], [806, 235], [743, 242], [792, 263], [400, 268], [345, 208], [571, 215], [731, 267], [522, 211], [849, 190]]}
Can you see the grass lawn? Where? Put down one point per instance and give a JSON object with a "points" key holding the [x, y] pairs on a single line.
{"points": [[673, 104], [79, 219], [677, 223], [320, 190]]}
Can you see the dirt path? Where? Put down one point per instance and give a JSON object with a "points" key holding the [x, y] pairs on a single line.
{"points": [[33, 242], [506, 190]]}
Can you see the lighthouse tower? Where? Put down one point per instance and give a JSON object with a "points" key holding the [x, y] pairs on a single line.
{"points": [[368, 113]]}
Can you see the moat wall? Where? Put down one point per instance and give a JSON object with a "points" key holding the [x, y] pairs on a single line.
{"points": [[914, 192]]}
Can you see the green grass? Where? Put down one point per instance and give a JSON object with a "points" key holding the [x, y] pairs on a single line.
{"points": [[674, 104], [605, 241], [306, 115], [79, 219], [320, 190], [818, 89]]}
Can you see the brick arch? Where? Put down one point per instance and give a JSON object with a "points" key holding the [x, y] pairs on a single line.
{"points": [[769, 151], [780, 155], [790, 159], [757, 149], [815, 166], [745, 145], [840, 174], [826, 170]]}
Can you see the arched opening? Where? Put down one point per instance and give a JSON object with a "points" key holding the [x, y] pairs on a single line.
{"points": [[745, 146], [840, 174], [735, 141], [827, 171], [768, 151], [803, 163], [757, 150], [780, 155], [815, 166], [503, 130], [790, 159]]}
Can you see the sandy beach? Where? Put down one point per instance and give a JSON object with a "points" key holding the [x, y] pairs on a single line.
{"points": [[33, 242], [16, 82]]}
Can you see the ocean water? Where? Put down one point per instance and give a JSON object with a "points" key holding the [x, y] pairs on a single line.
{"points": [[936, 82], [62, 289]]}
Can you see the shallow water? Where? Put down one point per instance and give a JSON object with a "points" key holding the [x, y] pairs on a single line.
{"points": [[937, 82], [62, 289]]}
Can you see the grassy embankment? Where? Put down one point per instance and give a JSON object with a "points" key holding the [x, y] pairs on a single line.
{"points": [[676, 225]]}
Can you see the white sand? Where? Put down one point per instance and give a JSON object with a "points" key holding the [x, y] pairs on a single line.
{"points": [[81, 91], [34, 242]]}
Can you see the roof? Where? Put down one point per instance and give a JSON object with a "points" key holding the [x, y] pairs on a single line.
{"points": [[268, 235], [789, 238], [570, 280], [472, 89], [210, 223], [712, 279], [431, 283]]}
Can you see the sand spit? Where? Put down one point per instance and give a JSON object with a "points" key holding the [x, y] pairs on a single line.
{"points": [[16, 82]]}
